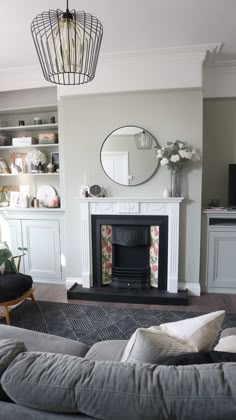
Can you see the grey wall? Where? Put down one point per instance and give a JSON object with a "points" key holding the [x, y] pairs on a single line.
{"points": [[85, 123], [219, 128], [28, 98]]}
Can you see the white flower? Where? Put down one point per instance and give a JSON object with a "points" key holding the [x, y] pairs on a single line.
{"points": [[188, 155], [182, 153], [164, 161], [36, 156], [174, 158], [195, 155], [176, 154]]}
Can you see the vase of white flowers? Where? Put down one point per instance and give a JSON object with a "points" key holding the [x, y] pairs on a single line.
{"points": [[36, 159], [175, 156]]}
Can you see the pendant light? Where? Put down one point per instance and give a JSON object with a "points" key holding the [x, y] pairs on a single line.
{"points": [[143, 140], [68, 45]]}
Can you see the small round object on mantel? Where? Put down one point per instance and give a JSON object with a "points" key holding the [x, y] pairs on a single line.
{"points": [[95, 191]]}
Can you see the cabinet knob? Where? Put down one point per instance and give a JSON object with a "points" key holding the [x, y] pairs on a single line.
{"points": [[25, 249], [20, 248]]}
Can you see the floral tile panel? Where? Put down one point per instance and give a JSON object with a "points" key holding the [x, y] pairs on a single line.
{"points": [[106, 253], [154, 255]]}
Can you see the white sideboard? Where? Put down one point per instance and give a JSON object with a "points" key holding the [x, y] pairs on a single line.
{"points": [[39, 234], [218, 259]]}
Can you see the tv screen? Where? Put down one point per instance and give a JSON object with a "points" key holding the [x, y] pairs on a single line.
{"points": [[232, 185]]}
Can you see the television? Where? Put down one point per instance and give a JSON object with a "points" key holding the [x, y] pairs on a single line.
{"points": [[232, 185]]}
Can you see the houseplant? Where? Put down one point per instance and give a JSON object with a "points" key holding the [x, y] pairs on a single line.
{"points": [[175, 156]]}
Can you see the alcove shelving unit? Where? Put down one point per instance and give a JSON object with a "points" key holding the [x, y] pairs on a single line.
{"points": [[12, 117], [39, 232]]}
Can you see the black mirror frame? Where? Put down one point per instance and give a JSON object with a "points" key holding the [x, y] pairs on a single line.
{"points": [[155, 147]]}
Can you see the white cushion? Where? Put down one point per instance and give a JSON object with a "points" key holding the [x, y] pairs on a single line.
{"points": [[193, 334], [153, 347], [199, 332], [227, 344]]}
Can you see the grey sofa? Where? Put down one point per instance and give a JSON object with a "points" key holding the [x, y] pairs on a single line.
{"points": [[93, 382]]}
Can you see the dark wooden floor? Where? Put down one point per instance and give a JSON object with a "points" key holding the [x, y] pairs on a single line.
{"points": [[204, 303]]}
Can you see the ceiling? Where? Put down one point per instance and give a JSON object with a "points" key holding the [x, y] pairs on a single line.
{"points": [[129, 25]]}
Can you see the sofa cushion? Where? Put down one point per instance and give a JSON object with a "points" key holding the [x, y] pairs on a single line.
{"points": [[193, 334], [9, 349], [227, 344], [110, 390], [107, 350], [227, 341], [36, 341], [153, 347], [228, 332], [16, 411]]}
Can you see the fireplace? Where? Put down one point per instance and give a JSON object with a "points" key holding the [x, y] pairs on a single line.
{"points": [[163, 280], [130, 252], [130, 257]]}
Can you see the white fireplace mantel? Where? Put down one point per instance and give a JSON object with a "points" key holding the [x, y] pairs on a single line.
{"points": [[131, 206]]}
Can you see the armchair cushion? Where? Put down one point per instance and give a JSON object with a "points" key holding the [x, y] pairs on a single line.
{"points": [[14, 285], [7, 263]]}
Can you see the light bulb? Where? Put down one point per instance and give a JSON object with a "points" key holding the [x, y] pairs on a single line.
{"points": [[68, 44]]}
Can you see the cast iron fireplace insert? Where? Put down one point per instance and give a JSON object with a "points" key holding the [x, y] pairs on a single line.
{"points": [[130, 251]]}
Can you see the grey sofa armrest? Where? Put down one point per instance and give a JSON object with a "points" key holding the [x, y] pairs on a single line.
{"points": [[36, 341]]}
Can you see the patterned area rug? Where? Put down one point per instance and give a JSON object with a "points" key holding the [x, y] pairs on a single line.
{"points": [[92, 323]]}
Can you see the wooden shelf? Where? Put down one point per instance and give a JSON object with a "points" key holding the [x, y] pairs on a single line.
{"points": [[32, 146], [33, 174], [30, 127]]}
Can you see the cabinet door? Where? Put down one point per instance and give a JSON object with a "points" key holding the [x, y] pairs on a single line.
{"points": [[11, 233], [41, 238], [222, 259]]}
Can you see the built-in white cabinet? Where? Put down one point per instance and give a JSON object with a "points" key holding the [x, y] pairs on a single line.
{"points": [[40, 235], [219, 252]]}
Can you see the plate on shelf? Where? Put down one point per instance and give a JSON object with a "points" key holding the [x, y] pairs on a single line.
{"points": [[45, 194]]}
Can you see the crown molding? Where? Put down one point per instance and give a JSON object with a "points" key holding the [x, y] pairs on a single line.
{"points": [[219, 79], [166, 68]]}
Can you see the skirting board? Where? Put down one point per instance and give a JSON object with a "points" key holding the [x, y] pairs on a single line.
{"points": [[193, 288], [70, 281], [223, 290]]}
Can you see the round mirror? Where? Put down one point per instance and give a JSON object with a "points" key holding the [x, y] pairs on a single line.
{"points": [[128, 155]]}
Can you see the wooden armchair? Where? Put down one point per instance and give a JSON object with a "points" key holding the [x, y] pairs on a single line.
{"points": [[14, 288]]}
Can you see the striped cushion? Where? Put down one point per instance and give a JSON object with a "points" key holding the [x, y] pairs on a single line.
{"points": [[199, 332], [153, 347], [190, 335]]}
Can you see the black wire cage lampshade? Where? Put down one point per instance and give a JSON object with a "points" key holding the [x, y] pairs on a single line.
{"points": [[68, 45]]}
